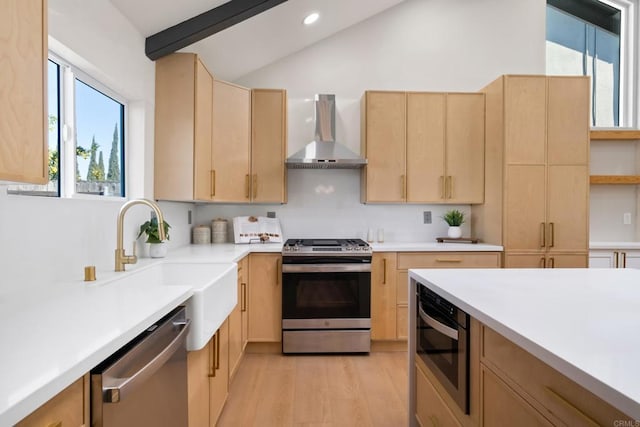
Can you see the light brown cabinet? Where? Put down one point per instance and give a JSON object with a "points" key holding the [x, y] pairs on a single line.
{"points": [[23, 91], [537, 181], [183, 129], [70, 407], [265, 297], [431, 410], [268, 146], [238, 326], [383, 296], [231, 143], [208, 379], [423, 147]]}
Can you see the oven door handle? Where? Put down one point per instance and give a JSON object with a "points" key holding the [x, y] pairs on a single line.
{"points": [[326, 268], [438, 326]]}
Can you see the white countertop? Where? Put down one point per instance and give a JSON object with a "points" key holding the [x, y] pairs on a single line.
{"points": [[433, 247], [582, 322], [614, 245]]}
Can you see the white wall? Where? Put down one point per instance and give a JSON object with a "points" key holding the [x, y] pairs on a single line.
{"points": [[43, 241], [435, 45]]}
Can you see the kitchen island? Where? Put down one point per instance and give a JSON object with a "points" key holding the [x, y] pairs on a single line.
{"points": [[576, 326]]}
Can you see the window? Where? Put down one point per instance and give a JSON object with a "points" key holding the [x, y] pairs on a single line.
{"points": [[86, 137], [585, 37]]}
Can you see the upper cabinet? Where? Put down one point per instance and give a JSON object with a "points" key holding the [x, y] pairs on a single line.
{"points": [[423, 147], [216, 141], [537, 192], [23, 115]]}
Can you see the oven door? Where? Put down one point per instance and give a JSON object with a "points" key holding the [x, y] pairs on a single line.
{"points": [[315, 292], [443, 346]]}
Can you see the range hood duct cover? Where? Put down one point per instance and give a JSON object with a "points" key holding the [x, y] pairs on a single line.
{"points": [[324, 152]]}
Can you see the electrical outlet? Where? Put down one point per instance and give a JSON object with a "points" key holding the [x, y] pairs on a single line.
{"points": [[189, 218], [626, 218], [271, 214], [427, 217]]}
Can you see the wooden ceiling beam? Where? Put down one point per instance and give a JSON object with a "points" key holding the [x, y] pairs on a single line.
{"points": [[202, 26]]}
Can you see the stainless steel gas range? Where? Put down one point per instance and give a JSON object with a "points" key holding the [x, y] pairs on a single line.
{"points": [[326, 296]]}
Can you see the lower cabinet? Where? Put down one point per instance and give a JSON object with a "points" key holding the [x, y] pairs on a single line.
{"points": [[265, 297], [208, 379], [546, 260], [431, 410], [238, 325], [614, 258], [70, 407]]}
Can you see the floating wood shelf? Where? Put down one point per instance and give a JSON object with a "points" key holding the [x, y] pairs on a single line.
{"points": [[614, 134], [615, 179]]}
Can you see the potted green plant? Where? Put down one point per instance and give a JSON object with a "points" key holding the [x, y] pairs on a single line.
{"points": [[455, 219], [157, 248]]}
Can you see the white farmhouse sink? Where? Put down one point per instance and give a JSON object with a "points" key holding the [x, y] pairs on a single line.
{"points": [[214, 293]]}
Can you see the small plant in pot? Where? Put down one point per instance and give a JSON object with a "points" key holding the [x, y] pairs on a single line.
{"points": [[157, 248], [455, 219]]}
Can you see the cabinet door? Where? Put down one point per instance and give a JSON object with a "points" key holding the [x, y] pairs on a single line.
{"points": [[385, 146], [383, 296], [525, 260], [568, 208], [576, 260], [431, 410], [219, 381], [268, 145], [425, 147], [235, 333], [200, 366], [265, 297], [603, 259], [23, 91], [501, 406], [202, 172], [67, 408], [546, 260], [568, 117], [465, 148], [629, 259], [231, 142], [525, 119], [243, 277], [525, 201]]}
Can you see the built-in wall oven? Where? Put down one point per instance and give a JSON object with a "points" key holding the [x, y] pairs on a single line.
{"points": [[326, 296], [442, 342]]}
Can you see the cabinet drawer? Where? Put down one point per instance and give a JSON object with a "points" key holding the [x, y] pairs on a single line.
{"points": [[408, 260], [430, 408], [67, 408], [543, 386]]}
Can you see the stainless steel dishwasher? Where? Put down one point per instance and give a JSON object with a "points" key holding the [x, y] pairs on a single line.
{"points": [[145, 382]]}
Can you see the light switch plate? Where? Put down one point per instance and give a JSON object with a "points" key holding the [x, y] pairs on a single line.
{"points": [[427, 217]]}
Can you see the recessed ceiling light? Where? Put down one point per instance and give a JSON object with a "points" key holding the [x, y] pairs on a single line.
{"points": [[311, 18]]}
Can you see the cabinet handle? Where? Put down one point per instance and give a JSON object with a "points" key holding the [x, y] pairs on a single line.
{"points": [[448, 260], [247, 184], [543, 235], [450, 187], [212, 347], [542, 263], [590, 421], [56, 424], [552, 262], [624, 260], [255, 186], [552, 232], [217, 350], [384, 271], [243, 301], [615, 259], [442, 190], [404, 186], [213, 182]]}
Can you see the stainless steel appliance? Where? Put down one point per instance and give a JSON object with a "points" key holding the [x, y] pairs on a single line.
{"points": [[326, 296], [145, 382], [442, 342]]}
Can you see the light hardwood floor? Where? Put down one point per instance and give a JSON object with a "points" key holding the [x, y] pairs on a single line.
{"points": [[319, 390]]}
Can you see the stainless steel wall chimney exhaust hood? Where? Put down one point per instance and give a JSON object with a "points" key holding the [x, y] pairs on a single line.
{"points": [[324, 152]]}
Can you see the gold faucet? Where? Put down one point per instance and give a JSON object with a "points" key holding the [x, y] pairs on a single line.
{"points": [[121, 257]]}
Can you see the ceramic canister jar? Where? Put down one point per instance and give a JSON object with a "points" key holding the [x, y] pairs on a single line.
{"points": [[201, 235], [219, 226]]}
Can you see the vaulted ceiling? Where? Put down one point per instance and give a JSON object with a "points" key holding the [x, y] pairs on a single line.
{"points": [[259, 40]]}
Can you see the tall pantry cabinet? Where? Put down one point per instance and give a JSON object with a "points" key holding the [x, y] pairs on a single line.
{"points": [[537, 173]]}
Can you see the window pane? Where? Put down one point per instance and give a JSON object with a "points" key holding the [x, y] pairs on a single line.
{"points": [[53, 187], [99, 142]]}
